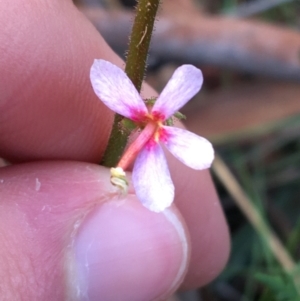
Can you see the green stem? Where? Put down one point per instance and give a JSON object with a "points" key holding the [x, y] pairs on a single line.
{"points": [[135, 69], [140, 41]]}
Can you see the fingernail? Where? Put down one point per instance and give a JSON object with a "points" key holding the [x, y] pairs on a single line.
{"points": [[125, 252]]}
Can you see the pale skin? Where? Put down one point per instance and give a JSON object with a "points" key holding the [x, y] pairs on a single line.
{"points": [[50, 211]]}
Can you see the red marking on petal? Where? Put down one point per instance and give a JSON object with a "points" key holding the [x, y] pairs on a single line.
{"points": [[137, 115], [151, 144], [163, 134], [158, 116]]}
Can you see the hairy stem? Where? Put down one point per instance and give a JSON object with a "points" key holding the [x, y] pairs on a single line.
{"points": [[140, 41], [135, 69]]}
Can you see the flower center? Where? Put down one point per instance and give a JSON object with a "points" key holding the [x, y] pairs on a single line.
{"points": [[151, 130]]}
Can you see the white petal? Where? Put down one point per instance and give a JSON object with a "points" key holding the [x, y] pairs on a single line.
{"points": [[116, 90], [151, 178], [183, 85], [191, 149]]}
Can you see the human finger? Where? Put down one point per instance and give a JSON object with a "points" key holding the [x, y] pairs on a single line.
{"points": [[67, 235], [46, 83]]}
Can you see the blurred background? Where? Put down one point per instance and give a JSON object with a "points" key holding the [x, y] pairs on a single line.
{"points": [[249, 108]]}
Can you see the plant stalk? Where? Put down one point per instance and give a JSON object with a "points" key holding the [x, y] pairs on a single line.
{"points": [[139, 43]]}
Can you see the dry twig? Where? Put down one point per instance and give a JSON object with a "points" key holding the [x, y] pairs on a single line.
{"points": [[191, 37]]}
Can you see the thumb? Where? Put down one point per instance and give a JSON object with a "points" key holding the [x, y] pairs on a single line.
{"points": [[66, 235]]}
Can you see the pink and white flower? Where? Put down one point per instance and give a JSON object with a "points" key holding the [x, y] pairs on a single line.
{"points": [[151, 178]]}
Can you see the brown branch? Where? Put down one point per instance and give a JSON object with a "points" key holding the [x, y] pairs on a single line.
{"points": [[190, 37]]}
